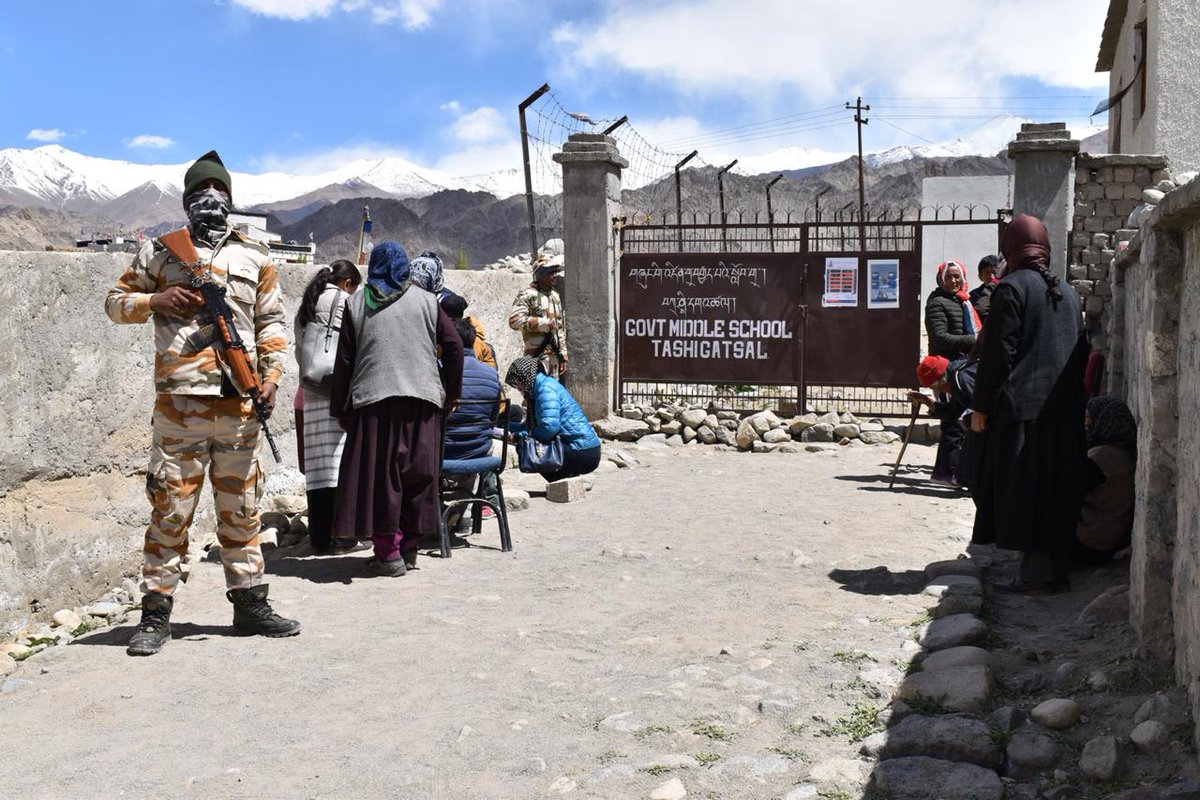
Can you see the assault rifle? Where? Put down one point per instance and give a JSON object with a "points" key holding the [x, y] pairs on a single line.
{"points": [[221, 333]]}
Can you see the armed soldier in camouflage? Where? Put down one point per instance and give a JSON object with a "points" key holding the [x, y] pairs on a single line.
{"points": [[537, 313], [201, 420]]}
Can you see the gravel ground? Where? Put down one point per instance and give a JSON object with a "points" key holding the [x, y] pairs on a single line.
{"points": [[723, 620]]}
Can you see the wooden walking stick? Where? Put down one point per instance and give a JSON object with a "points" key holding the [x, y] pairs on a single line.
{"points": [[912, 421]]}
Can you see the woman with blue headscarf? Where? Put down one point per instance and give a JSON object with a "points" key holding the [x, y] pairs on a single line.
{"points": [[390, 392]]}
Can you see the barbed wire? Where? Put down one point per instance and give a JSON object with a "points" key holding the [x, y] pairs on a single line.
{"points": [[648, 181]]}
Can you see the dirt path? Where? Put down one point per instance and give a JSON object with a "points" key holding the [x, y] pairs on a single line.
{"points": [[687, 620]]}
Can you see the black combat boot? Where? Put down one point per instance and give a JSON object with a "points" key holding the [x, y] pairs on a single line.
{"points": [[253, 614], [155, 628]]}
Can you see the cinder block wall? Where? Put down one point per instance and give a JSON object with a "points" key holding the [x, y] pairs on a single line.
{"points": [[75, 401], [1107, 190]]}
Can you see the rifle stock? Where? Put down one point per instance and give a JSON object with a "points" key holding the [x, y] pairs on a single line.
{"points": [[242, 372], [179, 244]]}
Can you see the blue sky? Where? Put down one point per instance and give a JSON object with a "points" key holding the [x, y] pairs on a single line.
{"points": [[303, 84]]}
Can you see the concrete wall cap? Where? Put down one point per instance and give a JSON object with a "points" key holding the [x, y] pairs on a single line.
{"points": [[1122, 160], [1042, 146], [608, 156], [590, 137]]}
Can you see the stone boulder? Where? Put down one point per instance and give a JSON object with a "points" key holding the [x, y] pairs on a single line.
{"points": [[621, 428], [950, 738], [693, 417], [952, 631], [922, 778], [878, 437], [764, 421], [820, 432], [798, 425], [746, 435], [941, 585], [846, 430], [1030, 753], [1157, 706], [966, 688], [725, 436], [1057, 713], [1150, 736], [956, 566], [957, 603], [1110, 608], [965, 656], [1102, 759]]}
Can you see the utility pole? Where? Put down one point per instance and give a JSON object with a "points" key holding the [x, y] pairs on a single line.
{"points": [[771, 210], [609, 130], [859, 121], [533, 244], [721, 195], [679, 198]]}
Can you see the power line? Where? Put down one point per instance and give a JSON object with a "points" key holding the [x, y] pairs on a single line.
{"points": [[820, 112]]}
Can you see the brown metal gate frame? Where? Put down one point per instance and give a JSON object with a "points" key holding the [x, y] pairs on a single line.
{"points": [[863, 391]]}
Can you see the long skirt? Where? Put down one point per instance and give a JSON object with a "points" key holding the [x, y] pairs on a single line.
{"points": [[389, 472], [324, 441], [1028, 489]]}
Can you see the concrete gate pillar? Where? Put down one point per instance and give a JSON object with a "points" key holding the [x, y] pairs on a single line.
{"points": [[591, 198], [1044, 183]]}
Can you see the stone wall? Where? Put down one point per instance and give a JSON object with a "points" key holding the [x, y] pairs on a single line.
{"points": [[1108, 191], [76, 403], [1156, 338]]}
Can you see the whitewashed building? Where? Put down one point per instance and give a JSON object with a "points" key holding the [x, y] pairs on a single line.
{"points": [[1149, 51], [254, 225]]}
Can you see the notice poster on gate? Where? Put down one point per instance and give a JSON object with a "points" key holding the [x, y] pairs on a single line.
{"points": [[883, 283], [841, 283], [710, 318]]}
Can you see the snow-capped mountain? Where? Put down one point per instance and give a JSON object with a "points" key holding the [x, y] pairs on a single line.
{"points": [[141, 195], [55, 177], [987, 140]]}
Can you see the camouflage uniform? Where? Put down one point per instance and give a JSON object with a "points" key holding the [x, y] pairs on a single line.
{"points": [[199, 421], [535, 314]]}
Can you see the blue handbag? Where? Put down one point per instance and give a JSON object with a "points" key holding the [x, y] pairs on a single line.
{"points": [[539, 457]]}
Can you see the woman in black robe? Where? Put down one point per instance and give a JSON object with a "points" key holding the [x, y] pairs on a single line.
{"points": [[1028, 407]]}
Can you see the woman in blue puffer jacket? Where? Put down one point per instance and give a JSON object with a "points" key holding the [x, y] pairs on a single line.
{"points": [[553, 412]]}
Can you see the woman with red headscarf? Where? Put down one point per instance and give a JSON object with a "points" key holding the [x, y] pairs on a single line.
{"points": [[951, 324], [1029, 405]]}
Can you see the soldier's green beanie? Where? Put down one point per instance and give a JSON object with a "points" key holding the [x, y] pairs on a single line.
{"points": [[207, 167]]}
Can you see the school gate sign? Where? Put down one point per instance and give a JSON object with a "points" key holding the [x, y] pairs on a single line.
{"points": [[705, 318], [799, 314]]}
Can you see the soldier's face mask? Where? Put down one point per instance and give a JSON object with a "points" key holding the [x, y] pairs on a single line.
{"points": [[208, 212]]}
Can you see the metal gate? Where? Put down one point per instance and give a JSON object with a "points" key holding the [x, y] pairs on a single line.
{"points": [[798, 316]]}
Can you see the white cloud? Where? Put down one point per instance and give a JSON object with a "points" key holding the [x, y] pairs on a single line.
{"points": [[825, 51], [482, 158], [329, 160], [46, 135], [451, 105], [412, 14], [289, 9], [484, 124], [150, 141]]}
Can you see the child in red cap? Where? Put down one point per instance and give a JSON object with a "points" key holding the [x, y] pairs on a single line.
{"points": [[953, 383]]}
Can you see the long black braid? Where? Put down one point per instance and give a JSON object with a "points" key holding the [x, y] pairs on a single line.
{"points": [[1053, 293], [338, 271]]}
